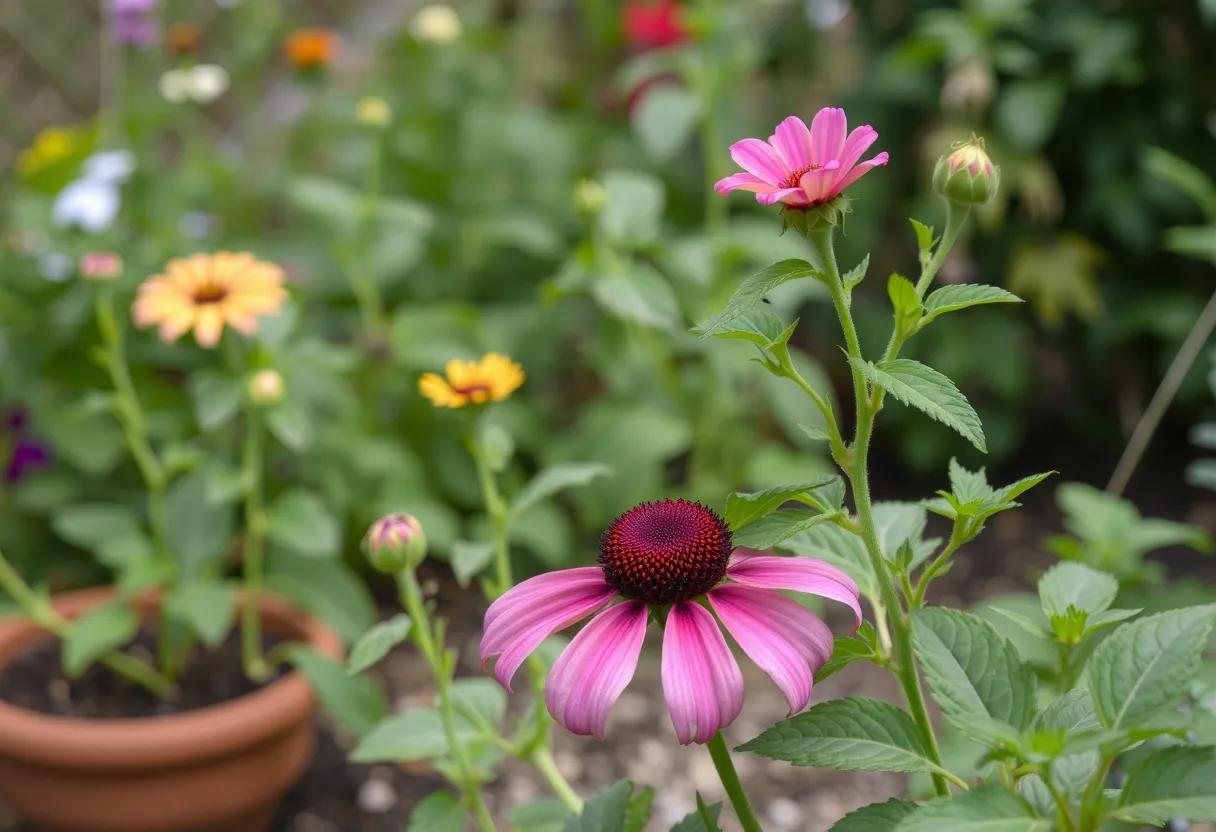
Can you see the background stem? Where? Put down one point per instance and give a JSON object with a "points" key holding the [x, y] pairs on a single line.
{"points": [[730, 781]]}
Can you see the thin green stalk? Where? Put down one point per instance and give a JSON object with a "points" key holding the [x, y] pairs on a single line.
{"points": [[499, 514], [917, 597], [429, 640], [1067, 824], [730, 781], [255, 546], [39, 611], [542, 759], [956, 218], [856, 468]]}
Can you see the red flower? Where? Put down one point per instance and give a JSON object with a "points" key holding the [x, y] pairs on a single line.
{"points": [[654, 25]]}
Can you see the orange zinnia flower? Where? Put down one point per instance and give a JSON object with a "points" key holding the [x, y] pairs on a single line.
{"points": [[205, 292], [311, 48]]}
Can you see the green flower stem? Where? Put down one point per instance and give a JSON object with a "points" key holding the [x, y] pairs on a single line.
{"points": [[956, 218], [917, 596], [429, 639], [542, 759], [730, 781], [39, 611], [856, 468], [499, 515], [1067, 824], [252, 457]]}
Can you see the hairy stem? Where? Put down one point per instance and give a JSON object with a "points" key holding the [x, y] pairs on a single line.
{"points": [[730, 781], [857, 471]]}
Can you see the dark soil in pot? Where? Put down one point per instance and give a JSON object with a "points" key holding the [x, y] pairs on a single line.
{"points": [[36, 681]]}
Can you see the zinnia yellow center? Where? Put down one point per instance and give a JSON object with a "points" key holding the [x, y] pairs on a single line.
{"points": [[210, 292]]}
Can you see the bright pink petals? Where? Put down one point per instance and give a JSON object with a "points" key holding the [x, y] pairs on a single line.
{"points": [[802, 166], [796, 573], [596, 666], [701, 679], [526, 615], [785, 639]]}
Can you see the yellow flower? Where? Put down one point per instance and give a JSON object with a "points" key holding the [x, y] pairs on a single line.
{"points": [[50, 162], [205, 292], [493, 378]]}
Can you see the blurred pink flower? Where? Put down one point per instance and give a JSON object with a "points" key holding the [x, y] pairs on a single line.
{"points": [[800, 167], [665, 559]]}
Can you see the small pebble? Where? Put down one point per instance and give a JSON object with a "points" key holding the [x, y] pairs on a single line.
{"points": [[60, 691], [785, 814], [376, 797], [306, 822]]}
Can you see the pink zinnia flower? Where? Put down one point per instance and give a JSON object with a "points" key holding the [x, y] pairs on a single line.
{"points": [[654, 25], [664, 559], [801, 167]]}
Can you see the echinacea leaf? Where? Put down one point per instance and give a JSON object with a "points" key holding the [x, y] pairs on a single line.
{"points": [[928, 391], [962, 296], [982, 809], [1171, 782], [752, 291], [374, 645], [745, 507], [877, 817], [439, 811]]}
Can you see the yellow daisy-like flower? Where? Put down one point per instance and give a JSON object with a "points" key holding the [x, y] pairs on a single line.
{"points": [[491, 379], [206, 292]]}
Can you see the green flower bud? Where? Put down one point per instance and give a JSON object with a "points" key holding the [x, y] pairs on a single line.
{"points": [[395, 542], [589, 197], [266, 387], [966, 175]]}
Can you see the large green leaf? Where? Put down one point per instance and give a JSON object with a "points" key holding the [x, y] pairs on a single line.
{"points": [[1145, 666], [779, 526], [200, 531], [850, 734], [557, 478], [1177, 782], [927, 390], [961, 296], [439, 811], [752, 291], [374, 645], [1074, 586], [206, 605], [983, 809], [877, 817], [96, 633], [702, 819], [982, 685], [414, 735], [299, 520], [744, 507], [604, 812]]}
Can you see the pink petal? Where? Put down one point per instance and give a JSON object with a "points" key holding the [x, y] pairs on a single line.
{"points": [[596, 666], [861, 170], [827, 135], [790, 196], [530, 612], [797, 573], [857, 143], [742, 182], [784, 638], [792, 140], [757, 158], [818, 184], [701, 679]]}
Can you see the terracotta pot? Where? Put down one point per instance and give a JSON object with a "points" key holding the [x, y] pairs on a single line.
{"points": [[216, 769]]}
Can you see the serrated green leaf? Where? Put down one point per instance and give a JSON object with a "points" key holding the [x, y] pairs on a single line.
{"points": [[439, 811], [758, 326], [877, 817], [605, 811], [855, 275], [206, 605], [557, 478], [96, 633], [353, 701], [962, 296], [638, 813], [1177, 782], [849, 649], [702, 819], [928, 391], [975, 675], [850, 734], [753, 290], [744, 507], [904, 301], [982, 809], [777, 527], [374, 645], [1070, 585], [1145, 666]]}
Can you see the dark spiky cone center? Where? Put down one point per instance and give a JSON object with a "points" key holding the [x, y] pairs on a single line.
{"points": [[665, 552]]}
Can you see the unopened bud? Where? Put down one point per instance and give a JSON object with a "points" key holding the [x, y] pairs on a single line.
{"points": [[437, 24], [589, 196], [966, 175], [395, 542], [100, 265], [266, 387], [373, 111]]}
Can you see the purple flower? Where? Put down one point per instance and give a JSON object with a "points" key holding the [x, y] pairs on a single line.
{"points": [[673, 559], [134, 21], [28, 455]]}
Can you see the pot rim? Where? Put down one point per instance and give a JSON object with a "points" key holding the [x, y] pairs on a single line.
{"points": [[177, 739]]}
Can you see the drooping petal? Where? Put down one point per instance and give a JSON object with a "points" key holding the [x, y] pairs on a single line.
{"points": [[701, 679], [797, 573], [595, 667], [743, 182], [792, 140], [858, 142], [861, 170], [789, 196], [817, 184], [785, 639], [530, 612], [827, 135], [757, 158]]}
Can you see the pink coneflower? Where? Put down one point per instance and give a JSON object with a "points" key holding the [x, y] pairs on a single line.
{"points": [[801, 167], [674, 560]]}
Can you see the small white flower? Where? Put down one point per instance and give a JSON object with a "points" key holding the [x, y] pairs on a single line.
{"points": [[110, 166], [175, 86], [208, 82], [437, 24], [90, 204]]}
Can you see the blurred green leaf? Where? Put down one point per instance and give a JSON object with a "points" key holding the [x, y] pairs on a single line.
{"points": [[96, 633]]}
